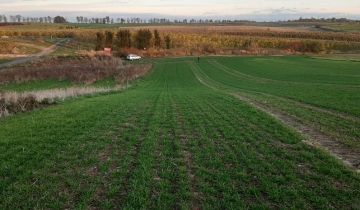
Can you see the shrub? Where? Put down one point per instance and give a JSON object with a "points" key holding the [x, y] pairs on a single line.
{"points": [[100, 39], [168, 42], [143, 39], [157, 39], [109, 39], [123, 39]]}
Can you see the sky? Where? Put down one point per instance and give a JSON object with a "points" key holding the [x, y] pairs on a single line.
{"points": [[233, 9]]}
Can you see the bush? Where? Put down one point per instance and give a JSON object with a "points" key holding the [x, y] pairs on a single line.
{"points": [[143, 39], [109, 39], [100, 41], [123, 39]]}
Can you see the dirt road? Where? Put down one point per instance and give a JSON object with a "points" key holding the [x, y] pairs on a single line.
{"points": [[33, 57]]}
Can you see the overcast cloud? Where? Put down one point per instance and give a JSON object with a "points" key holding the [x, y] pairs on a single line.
{"points": [[254, 9]]}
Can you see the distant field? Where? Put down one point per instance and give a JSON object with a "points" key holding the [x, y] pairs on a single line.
{"points": [[350, 27], [194, 39], [281, 26], [161, 26], [21, 46], [4, 60], [184, 137], [348, 57]]}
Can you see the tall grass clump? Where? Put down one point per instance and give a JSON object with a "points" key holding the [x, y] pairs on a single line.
{"points": [[85, 70]]}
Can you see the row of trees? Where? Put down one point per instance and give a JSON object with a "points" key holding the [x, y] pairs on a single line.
{"points": [[142, 39], [105, 20], [135, 20], [325, 20], [108, 20], [22, 19]]}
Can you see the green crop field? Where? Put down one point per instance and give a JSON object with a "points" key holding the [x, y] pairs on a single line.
{"points": [[181, 139]]}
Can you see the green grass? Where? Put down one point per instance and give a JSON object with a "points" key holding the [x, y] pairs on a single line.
{"points": [[297, 86], [346, 27], [341, 57], [52, 84], [4, 60], [169, 142], [35, 85], [330, 84], [107, 82]]}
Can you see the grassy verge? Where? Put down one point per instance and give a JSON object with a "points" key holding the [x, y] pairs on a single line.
{"points": [[54, 84], [35, 85]]}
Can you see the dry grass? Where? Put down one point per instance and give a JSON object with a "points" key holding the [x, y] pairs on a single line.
{"points": [[78, 69], [86, 70], [13, 102]]}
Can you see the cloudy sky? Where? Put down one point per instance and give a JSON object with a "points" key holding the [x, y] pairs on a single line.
{"points": [[194, 8]]}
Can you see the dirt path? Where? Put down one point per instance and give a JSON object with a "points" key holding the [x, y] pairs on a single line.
{"points": [[45, 51], [311, 107], [312, 136]]}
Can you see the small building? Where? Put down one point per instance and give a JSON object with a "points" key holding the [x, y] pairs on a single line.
{"points": [[108, 51]]}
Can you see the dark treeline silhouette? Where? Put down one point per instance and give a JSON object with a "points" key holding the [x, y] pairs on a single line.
{"points": [[136, 20], [325, 20], [109, 20], [23, 19]]}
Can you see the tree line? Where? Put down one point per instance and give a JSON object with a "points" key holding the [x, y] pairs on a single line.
{"points": [[325, 20], [137, 20], [22, 19], [109, 20], [141, 39]]}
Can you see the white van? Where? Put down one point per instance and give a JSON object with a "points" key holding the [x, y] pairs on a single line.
{"points": [[132, 57]]}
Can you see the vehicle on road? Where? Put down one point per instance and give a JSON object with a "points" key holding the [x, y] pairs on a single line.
{"points": [[132, 57]]}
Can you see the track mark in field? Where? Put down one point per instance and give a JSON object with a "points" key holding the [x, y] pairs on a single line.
{"points": [[154, 192], [299, 103], [187, 156], [134, 162], [238, 74], [135, 154], [309, 106], [105, 157], [315, 138]]}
